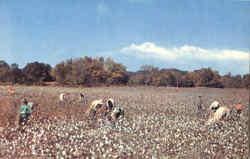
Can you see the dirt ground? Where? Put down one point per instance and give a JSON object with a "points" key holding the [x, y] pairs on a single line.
{"points": [[159, 122]]}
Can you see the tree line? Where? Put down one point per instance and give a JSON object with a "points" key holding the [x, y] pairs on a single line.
{"points": [[89, 71]]}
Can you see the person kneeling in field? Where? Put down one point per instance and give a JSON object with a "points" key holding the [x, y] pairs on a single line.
{"points": [[110, 104], [117, 113], [214, 106], [96, 104], [24, 112], [220, 114]]}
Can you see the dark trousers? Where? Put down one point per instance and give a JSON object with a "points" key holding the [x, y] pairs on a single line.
{"points": [[23, 118], [239, 112]]}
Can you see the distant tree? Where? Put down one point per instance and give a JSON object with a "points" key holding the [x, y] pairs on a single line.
{"points": [[68, 68], [36, 73], [175, 76], [59, 73], [4, 71], [136, 79], [81, 71], [90, 71], [16, 75], [238, 81], [185, 80], [148, 68], [214, 79], [117, 73], [205, 77], [246, 80], [157, 78], [150, 75], [227, 80]]}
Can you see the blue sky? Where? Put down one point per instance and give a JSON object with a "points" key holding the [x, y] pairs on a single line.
{"points": [[187, 34]]}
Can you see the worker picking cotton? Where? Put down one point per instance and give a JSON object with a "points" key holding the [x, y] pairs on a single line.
{"points": [[96, 104], [214, 106], [110, 104], [81, 97], [221, 113], [199, 106], [31, 105], [61, 97], [239, 109], [11, 90], [24, 112], [117, 112]]}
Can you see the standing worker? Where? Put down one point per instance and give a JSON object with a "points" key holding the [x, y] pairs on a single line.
{"points": [[239, 109], [200, 103], [11, 90], [24, 112]]}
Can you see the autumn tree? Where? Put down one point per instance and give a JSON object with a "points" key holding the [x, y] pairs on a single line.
{"points": [[246, 80], [227, 80], [81, 71], [137, 78], [185, 80], [205, 77], [117, 73]]}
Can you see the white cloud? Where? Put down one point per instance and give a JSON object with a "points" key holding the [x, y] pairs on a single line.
{"points": [[186, 52], [244, 0], [150, 49], [191, 56]]}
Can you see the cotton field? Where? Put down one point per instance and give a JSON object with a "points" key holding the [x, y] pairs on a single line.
{"points": [[158, 122]]}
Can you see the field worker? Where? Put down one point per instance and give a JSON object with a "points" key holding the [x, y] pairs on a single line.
{"points": [[239, 109], [214, 106], [11, 90], [31, 105], [221, 113], [24, 111], [81, 97], [117, 112], [200, 103], [110, 104], [61, 97], [96, 104]]}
